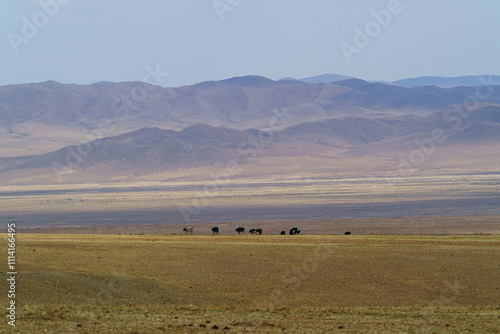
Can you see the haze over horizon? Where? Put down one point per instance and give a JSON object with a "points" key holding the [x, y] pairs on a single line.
{"points": [[194, 41]]}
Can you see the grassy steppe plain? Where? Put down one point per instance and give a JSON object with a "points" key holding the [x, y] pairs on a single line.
{"points": [[160, 203], [256, 284]]}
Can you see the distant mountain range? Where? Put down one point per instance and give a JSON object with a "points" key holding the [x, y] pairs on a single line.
{"points": [[326, 78], [150, 150], [41, 117], [445, 82], [133, 126], [470, 80]]}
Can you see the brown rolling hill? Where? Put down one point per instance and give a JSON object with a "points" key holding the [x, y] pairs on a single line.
{"points": [[150, 149], [480, 132], [452, 129], [153, 150], [350, 130], [456, 121]]}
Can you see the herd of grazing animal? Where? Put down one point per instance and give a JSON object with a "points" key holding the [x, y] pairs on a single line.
{"points": [[241, 230]]}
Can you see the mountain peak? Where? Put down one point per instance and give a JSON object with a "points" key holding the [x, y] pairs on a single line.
{"points": [[245, 81], [323, 78], [353, 83], [50, 84]]}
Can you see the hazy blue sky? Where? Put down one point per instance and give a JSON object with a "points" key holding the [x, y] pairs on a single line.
{"points": [[85, 41]]}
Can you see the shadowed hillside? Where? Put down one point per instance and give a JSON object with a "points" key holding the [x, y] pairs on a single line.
{"points": [[152, 148], [456, 133]]}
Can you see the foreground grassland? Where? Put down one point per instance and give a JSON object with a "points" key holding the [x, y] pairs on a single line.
{"points": [[256, 284]]}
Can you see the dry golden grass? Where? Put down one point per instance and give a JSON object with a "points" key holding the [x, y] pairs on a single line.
{"points": [[141, 319], [257, 284]]}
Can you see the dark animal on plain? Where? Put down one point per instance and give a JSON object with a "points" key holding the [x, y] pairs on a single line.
{"points": [[188, 230], [283, 233], [215, 230], [347, 233], [294, 231], [240, 230], [252, 231], [259, 231]]}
